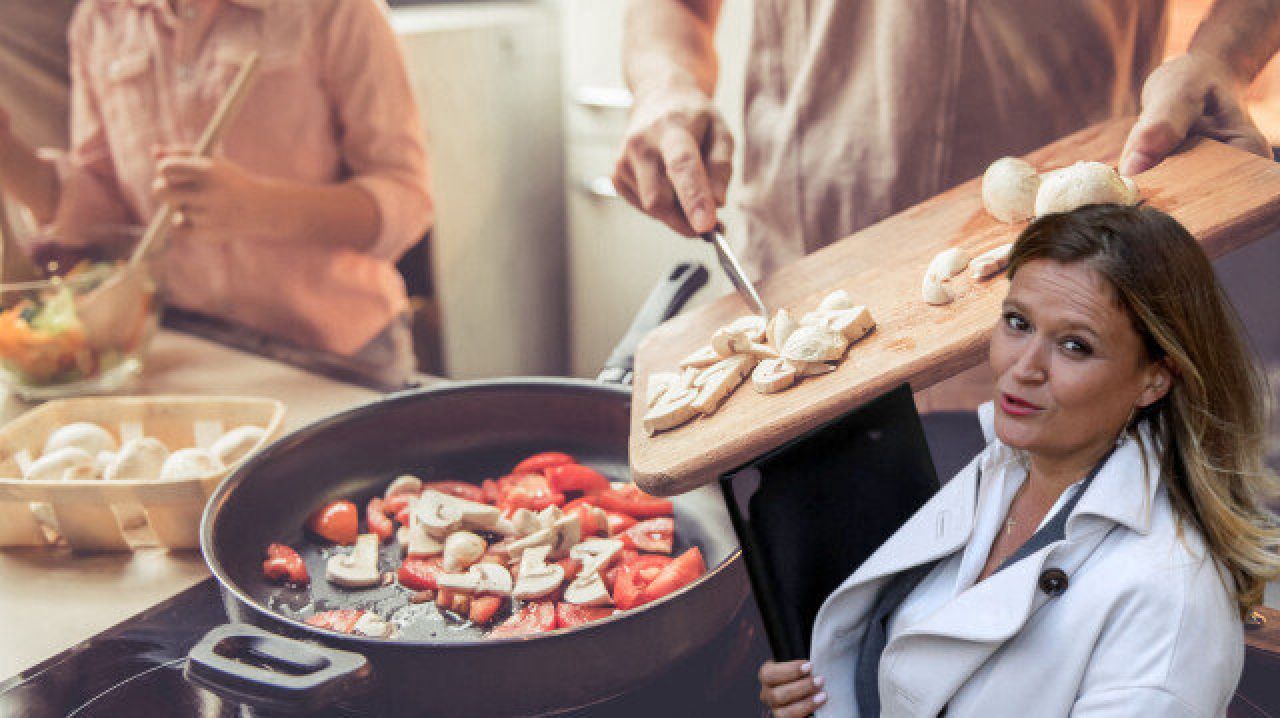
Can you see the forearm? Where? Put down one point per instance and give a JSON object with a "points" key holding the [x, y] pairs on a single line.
{"points": [[340, 215], [29, 178], [670, 44], [1243, 34]]}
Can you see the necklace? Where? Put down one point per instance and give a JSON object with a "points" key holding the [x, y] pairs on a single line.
{"points": [[1010, 521]]}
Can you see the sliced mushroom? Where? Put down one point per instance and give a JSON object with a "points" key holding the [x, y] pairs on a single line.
{"points": [[461, 549], [727, 342], [716, 387], [566, 532], [781, 327], [537, 578], [706, 356], [595, 553], [810, 343], [525, 522], [190, 464], [141, 459], [839, 299], [548, 517], [852, 323], [672, 410], [752, 325], [773, 375], [55, 465], [237, 443], [404, 484], [483, 577], [357, 569], [811, 368], [372, 625], [948, 263], [991, 261], [83, 435], [419, 543], [537, 539], [658, 384], [442, 514], [934, 292], [739, 364], [588, 589]]}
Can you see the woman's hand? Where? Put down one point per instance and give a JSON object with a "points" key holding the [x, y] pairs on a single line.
{"points": [[1192, 94], [211, 196], [676, 160], [789, 690]]}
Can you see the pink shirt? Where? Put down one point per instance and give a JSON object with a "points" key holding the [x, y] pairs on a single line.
{"points": [[331, 102]]}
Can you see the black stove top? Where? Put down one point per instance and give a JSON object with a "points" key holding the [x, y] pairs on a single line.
{"points": [[135, 669]]}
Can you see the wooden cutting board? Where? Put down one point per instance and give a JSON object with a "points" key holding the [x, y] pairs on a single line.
{"points": [[1224, 196]]}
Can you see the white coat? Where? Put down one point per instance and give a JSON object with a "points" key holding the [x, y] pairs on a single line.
{"points": [[1145, 627]]}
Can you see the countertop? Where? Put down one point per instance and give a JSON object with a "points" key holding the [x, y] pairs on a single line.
{"points": [[51, 598]]}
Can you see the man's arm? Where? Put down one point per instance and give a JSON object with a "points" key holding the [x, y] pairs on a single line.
{"points": [[1201, 92], [677, 157]]}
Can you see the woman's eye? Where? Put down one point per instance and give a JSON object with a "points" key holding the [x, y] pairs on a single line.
{"points": [[1016, 322], [1077, 347]]}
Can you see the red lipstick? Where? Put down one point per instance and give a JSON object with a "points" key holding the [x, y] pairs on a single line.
{"points": [[1017, 406]]}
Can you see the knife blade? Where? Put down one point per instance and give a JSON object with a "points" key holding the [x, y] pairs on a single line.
{"points": [[736, 274]]}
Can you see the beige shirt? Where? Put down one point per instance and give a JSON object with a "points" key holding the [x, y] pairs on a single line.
{"points": [[858, 109]]}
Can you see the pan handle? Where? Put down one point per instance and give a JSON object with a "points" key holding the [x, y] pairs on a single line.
{"points": [[270, 672], [665, 300]]}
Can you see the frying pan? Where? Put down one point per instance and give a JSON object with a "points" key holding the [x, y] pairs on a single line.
{"points": [[269, 659]]}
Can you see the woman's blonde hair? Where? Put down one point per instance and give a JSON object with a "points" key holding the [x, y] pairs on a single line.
{"points": [[1211, 426]]}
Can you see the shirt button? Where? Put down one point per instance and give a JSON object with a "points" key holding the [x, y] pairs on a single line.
{"points": [[1053, 582]]}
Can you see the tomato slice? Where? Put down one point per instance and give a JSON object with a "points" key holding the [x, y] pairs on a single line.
{"points": [[338, 521], [538, 463], [654, 535], [484, 608], [630, 500], [285, 563], [576, 477], [492, 491], [530, 491], [419, 574], [569, 614], [460, 489], [618, 523], [376, 516], [685, 569], [341, 620], [397, 503], [634, 576], [587, 516], [533, 617]]}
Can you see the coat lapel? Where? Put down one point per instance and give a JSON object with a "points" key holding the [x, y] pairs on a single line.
{"points": [[950, 645]]}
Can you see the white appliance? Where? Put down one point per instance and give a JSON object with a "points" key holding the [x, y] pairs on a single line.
{"points": [[487, 79]]}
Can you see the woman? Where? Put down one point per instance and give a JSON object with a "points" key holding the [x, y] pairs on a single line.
{"points": [[1096, 559], [293, 227]]}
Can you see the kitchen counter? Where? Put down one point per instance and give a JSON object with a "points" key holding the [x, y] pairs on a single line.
{"points": [[51, 598]]}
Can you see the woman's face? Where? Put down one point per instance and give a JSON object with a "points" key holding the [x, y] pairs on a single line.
{"points": [[1070, 367]]}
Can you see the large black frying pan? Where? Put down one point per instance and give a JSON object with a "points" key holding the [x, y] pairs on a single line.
{"points": [[467, 431]]}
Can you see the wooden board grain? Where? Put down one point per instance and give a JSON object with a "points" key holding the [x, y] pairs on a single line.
{"points": [[1225, 197]]}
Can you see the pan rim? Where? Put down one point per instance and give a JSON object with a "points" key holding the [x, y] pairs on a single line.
{"points": [[219, 497]]}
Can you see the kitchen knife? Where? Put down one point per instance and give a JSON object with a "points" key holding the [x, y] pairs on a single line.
{"points": [[734, 270]]}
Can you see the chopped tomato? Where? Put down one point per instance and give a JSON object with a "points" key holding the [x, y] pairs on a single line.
{"points": [[533, 617], [394, 505], [685, 569], [630, 500], [285, 563], [341, 620], [484, 608], [404, 516], [531, 491], [569, 614], [576, 477], [376, 515], [338, 522], [634, 577], [625, 556], [587, 516], [460, 489], [492, 491], [419, 574], [539, 463], [571, 568], [618, 523], [654, 535]]}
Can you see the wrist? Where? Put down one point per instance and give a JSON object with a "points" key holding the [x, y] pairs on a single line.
{"points": [[1220, 65]]}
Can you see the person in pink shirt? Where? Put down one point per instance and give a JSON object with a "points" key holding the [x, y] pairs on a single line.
{"points": [[319, 185]]}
